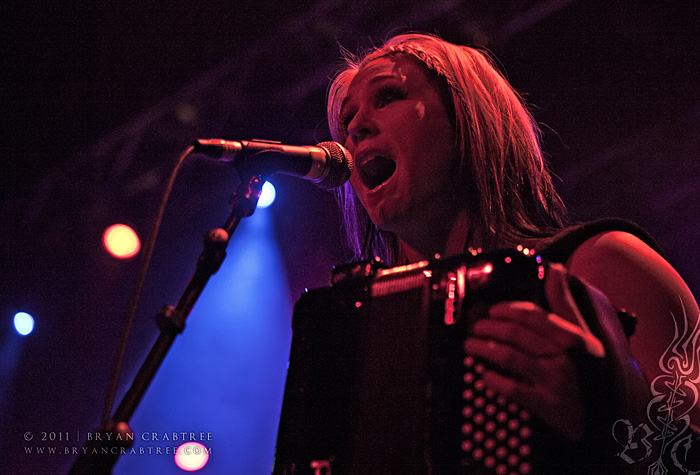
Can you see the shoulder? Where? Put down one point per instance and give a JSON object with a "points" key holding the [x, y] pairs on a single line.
{"points": [[624, 265], [619, 258], [560, 246], [637, 279]]}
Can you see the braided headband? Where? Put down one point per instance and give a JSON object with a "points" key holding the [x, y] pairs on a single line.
{"points": [[429, 61]]}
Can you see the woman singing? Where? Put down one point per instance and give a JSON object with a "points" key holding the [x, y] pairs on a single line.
{"points": [[448, 159]]}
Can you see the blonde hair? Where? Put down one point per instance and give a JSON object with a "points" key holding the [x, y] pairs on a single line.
{"points": [[507, 187]]}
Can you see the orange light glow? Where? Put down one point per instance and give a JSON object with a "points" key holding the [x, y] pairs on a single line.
{"points": [[121, 241]]}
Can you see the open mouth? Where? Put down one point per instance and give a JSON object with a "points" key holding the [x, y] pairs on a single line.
{"points": [[376, 171]]}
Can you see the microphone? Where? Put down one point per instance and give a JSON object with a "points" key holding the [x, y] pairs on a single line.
{"points": [[328, 164]]}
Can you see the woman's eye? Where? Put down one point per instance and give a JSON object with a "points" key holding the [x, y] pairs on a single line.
{"points": [[388, 94], [384, 96], [344, 122]]}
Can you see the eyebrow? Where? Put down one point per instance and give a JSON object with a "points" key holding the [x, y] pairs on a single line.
{"points": [[370, 81]]}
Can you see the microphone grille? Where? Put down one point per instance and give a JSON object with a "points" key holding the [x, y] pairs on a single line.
{"points": [[339, 167]]}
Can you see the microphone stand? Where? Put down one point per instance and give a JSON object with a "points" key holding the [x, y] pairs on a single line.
{"points": [[101, 452]]}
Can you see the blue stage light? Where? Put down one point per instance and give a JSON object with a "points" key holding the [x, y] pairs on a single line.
{"points": [[24, 323], [221, 385], [267, 196]]}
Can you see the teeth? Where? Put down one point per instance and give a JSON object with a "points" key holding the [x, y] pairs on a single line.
{"points": [[376, 171]]}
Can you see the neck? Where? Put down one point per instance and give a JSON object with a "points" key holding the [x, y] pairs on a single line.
{"points": [[431, 241]]}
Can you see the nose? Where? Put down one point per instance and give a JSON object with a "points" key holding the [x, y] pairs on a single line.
{"points": [[360, 127]]}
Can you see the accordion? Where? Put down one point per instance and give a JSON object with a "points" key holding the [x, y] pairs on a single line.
{"points": [[379, 383]]}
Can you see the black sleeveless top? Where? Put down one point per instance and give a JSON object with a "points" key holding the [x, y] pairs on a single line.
{"points": [[562, 246]]}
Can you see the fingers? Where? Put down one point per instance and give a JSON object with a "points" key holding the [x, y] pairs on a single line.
{"points": [[517, 364], [528, 327], [529, 357], [522, 338], [511, 389], [546, 386]]}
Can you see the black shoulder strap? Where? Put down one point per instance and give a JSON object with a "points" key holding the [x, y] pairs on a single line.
{"points": [[560, 248]]}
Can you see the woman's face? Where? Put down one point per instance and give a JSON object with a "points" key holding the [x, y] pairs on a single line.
{"points": [[402, 141]]}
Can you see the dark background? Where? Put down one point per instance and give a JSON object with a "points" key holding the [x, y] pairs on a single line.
{"points": [[98, 100]]}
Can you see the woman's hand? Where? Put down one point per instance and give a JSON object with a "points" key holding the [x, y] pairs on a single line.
{"points": [[529, 353]]}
